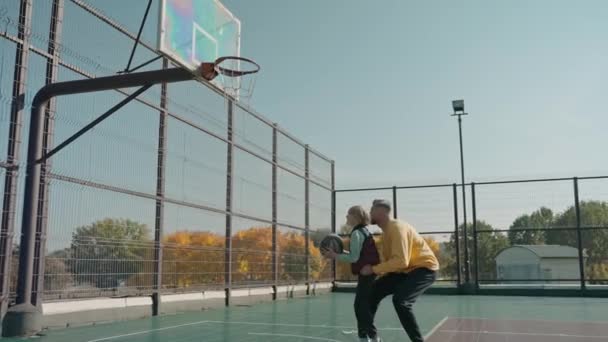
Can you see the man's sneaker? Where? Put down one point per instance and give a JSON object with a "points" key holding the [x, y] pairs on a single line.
{"points": [[375, 339], [364, 339]]}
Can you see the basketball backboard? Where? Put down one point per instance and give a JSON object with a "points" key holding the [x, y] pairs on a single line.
{"points": [[196, 31]]}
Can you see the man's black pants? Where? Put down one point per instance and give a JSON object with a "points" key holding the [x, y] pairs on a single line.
{"points": [[405, 288]]}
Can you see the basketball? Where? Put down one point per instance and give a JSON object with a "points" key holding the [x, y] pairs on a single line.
{"points": [[332, 242]]}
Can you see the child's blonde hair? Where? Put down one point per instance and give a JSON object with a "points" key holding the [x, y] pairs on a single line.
{"points": [[360, 214]]}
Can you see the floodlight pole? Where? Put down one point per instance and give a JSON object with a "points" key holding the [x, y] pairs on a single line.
{"points": [[25, 318], [458, 107]]}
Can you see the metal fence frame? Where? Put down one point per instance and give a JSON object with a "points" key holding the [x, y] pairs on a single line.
{"points": [[13, 165], [579, 228], [475, 284], [395, 199]]}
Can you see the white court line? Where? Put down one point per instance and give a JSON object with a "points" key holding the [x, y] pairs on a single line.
{"points": [[432, 331], [523, 334], [296, 325], [298, 336], [457, 328], [143, 332], [479, 335], [529, 320]]}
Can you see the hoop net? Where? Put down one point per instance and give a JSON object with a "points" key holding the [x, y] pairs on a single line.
{"points": [[237, 77]]}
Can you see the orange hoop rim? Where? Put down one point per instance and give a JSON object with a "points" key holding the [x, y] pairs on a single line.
{"points": [[235, 73]]}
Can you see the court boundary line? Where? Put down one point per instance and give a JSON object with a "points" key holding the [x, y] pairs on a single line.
{"points": [[428, 335], [143, 332], [530, 320], [298, 336], [521, 333], [296, 325], [435, 328]]}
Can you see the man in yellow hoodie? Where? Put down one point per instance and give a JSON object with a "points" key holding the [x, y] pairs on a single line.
{"points": [[408, 268]]}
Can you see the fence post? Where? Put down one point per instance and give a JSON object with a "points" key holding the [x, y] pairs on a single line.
{"points": [[160, 194], [395, 202], [275, 260], [333, 215], [229, 186], [579, 236], [456, 235], [475, 246], [9, 203], [465, 233], [307, 212], [47, 143]]}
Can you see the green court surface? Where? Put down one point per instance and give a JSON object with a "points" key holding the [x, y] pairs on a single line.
{"points": [[326, 318]]}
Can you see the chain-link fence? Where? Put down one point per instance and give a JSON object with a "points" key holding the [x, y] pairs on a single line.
{"points": [[182, 190], [540, 233]]}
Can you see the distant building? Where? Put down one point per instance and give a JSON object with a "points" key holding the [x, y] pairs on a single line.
{"points": [[538, 264]]}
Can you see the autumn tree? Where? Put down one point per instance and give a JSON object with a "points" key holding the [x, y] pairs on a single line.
{"points": [[252, 255], [193, 259], [292, 249], [108, 252]]}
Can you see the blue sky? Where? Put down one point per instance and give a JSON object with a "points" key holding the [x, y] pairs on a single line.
{"points": [[371, 84]]}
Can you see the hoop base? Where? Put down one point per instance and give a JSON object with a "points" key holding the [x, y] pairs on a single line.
{"points": [[22, 320], [207, 71], [237, 75]]}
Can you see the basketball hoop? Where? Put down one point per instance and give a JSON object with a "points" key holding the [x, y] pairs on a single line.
{"points": [[236, 75]]}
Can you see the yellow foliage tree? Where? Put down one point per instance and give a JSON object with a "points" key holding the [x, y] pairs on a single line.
{"points": [[292, 256], [196, 259], [320, 269], [252, 255], [193, 259], [292, 247]]}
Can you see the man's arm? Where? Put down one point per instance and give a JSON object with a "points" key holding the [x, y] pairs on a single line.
{"points": [[356, 243], [399, 258]]}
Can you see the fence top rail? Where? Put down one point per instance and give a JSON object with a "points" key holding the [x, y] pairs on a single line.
{"points": [[542, 229], [592, 177], [402, 187], [364, 189], [425, 186], [534, 180], [539, 180]]}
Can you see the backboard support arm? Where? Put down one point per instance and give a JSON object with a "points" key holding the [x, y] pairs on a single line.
{"points": [[93, 123], [25, 318], [151, 60], [141, 28]]}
